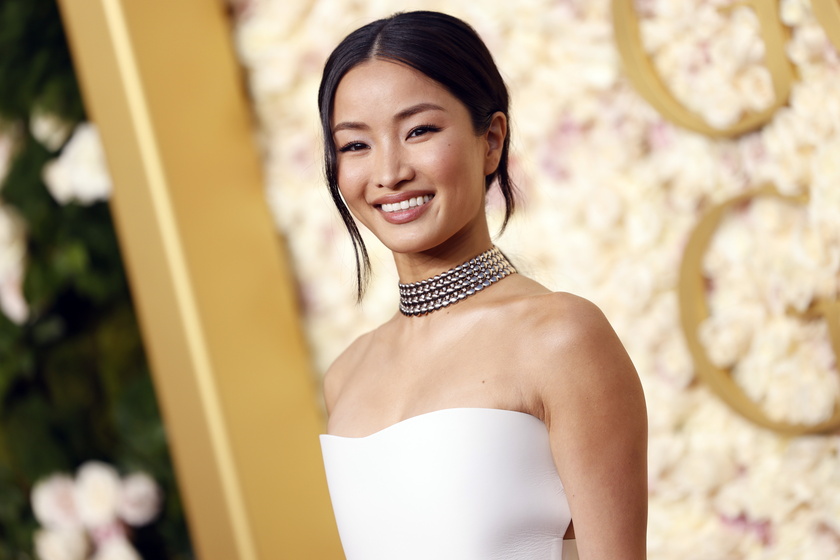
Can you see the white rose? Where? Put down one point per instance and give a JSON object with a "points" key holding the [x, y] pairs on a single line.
{"points": [[274, 76], [61, 544], [80, 173], [12, 303], [705, 465], [604, 209], [49, 129], [730, 498], [727, 337], [674, 363], [688, 529], [644, 224], [600, 69], [117, 548], [7, 142], [783, 139], [664, 452], [97, 493], [257, 35], [812, 40], [139, 499], [824, 207], [755, 87], [12, 240], [101, 534], [771, 345], [792, 12], [54, 503], [656, 34], [719, 106], [674, 406], [12, 255], [801, 392]]}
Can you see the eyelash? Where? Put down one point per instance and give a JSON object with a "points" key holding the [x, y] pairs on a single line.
{"points": [[352, 146], [349, 147], [425, 128]]}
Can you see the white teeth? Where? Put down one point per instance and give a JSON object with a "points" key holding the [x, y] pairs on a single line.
{"points": [[406, 204]]}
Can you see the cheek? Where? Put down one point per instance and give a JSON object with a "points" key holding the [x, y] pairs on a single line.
{"points": [[351, 182], [457, 166]]}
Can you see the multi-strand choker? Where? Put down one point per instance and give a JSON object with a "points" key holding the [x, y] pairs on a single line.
{"points": [[426, 296]]}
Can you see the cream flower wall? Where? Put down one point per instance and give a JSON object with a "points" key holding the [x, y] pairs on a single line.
{"points": [[610, 194]]}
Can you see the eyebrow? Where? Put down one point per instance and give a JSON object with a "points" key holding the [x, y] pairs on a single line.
{"points": [[402, 115]]}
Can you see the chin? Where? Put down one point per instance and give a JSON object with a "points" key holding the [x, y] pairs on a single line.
{"points": [[407, 248], [410, 245]]}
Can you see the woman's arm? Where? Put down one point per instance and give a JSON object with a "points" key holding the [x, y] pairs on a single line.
{"points": [[594, 407]]}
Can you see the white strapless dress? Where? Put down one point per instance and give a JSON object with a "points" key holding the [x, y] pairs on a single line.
{"points": [[455, 484]]}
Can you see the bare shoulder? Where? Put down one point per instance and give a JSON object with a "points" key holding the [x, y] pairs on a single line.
{"points": [[567, 314], [342, 369], [564, 326], [574, 355], [563, 309]]}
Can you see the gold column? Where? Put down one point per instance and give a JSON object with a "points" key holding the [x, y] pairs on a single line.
{"points": [[209, 279]]}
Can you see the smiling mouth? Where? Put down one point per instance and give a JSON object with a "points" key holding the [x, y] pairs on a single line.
{"points": [[406, 204]]}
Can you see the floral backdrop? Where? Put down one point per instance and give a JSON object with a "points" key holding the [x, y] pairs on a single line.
{"points": [[611, 191], [75, 390]]}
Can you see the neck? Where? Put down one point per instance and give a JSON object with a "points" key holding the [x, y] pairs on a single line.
{"points": [[412, 267]]}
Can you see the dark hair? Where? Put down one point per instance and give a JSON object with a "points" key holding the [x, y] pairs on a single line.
{"points": [[445, 49]]}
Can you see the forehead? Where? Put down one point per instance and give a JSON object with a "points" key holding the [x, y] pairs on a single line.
{"points": [[378, 86]]}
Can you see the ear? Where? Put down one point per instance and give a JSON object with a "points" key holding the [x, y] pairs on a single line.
{"points": [[495, 137]]}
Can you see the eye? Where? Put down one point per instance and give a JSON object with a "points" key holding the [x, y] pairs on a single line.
{"points": [[352, 147], [422, 130]]}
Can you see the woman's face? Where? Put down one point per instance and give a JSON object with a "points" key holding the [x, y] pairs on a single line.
{"points": [[410, 165]]}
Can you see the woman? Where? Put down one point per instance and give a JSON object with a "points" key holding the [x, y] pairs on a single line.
{"points": [[490, 417]]}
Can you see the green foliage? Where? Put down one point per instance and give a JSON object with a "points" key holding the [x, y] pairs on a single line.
{"points": [[35, 66], [74, 381]]}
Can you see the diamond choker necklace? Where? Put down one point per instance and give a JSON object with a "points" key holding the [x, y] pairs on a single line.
{"points": [[425, 296]]}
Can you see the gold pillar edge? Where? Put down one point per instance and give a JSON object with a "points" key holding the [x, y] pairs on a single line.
{"points": [[181, 282], [215, 301], [694, 310]]}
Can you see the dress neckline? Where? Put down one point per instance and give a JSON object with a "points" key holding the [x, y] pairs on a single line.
{"points": [[429, 415]]}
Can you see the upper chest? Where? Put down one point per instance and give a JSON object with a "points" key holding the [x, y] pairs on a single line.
{"points": [[399, 375]]}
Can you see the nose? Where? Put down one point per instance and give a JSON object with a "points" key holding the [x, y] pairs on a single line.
{"points": [[391, 167]]}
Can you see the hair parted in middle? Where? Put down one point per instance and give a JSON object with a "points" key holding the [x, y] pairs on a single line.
{"points": [[443, 48]]}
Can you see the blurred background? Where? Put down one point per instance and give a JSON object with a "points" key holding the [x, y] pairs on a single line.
{"points": [[74, 381], [679, 165]]}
